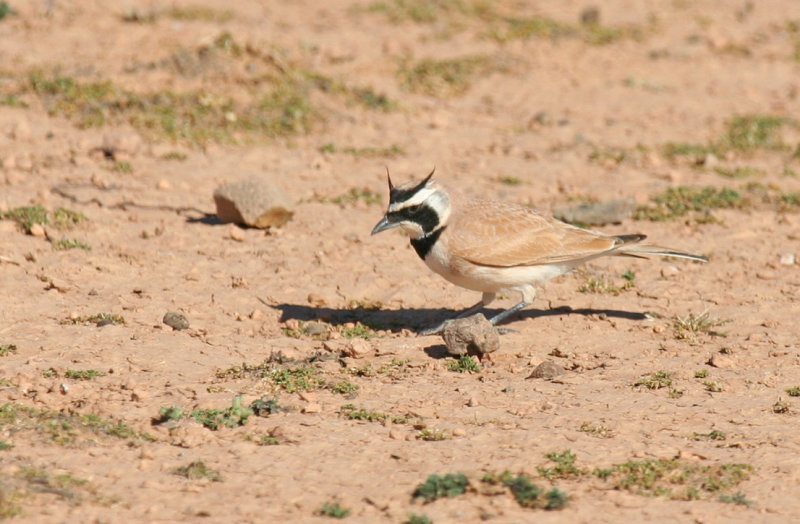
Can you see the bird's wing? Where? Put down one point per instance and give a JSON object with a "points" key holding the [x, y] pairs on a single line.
{"points": [[502, 234]]}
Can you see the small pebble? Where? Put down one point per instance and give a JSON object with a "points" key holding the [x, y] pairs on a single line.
{"points": [[658, 329], [317, 329], [787, 259], [669, 271], [236, 233], [459, 432], [767, 275], [256, 314], [312, 408], [175, 320], [721, 361], [37, 230]]}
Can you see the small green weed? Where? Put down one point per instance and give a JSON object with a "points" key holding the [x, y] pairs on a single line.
{"points": [[599, 431], [214, 419], [739, 172], [5, 10], [359, 331], [413, 518], [175, 155], [680, 201], [665, 477], [464, 364], [267, 440], [83, 374], [792, 391], [564, 468], [737, 498], [436, 487], [169, 414], [199, 13], [333, 510], [70, 243], [198, 470], [304, 378], [99, 319], [751, 132], [7, 349], [691, 325], [510, 180], [344, 388], [266, 406], [392, 151], [703, 373], [433, 434], [658, 380], [26, 217], [358, 195], [353, 413], [527, 494], [714, 386], [442, 78]]}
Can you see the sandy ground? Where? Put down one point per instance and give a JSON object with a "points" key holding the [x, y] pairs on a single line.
{"points": [[548, 120]]}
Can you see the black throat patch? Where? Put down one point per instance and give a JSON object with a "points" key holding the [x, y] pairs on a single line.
{"points": [[423, 245]]}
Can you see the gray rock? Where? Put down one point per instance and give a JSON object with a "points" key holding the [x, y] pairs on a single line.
{"points": [[547, 370], [317, 329], [176, 320], [471, 335], [256, 202], [597, 213]]}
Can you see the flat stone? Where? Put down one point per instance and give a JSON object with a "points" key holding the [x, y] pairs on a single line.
{"points": [[256, 202], [471, 335]]}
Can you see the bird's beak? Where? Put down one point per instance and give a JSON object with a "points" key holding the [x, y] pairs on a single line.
{"points": [[383, 225]]}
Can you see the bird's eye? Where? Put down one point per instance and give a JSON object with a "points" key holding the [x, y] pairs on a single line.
{"points": [[414, 210]]}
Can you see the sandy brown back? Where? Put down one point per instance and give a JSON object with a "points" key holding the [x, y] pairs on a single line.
{"points": [[501, 234]]}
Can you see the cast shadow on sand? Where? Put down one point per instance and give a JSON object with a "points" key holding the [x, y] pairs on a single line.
{"points": [[421, 318]]}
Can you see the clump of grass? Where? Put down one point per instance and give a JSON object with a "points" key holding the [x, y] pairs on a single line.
{"points": [[8, 100], [744, 134], [351, 412], [366, 304], [436, 487], [175, 155], [599, 431], [793, 391], [99, 319], [214, 419], [70, 243], [424, 12], [739, 172], [392, 151], [305, 378], [28, 481], [5, 10], [358, 331], [358, 195], [267, 440], [333, 510], [605, 286], [83, 374], [691, 325], [198, 470], [680, 201], [26, 217], [750, 132], [714, 386], [61, 428], [199, 13], [657, 380], [413, 518], [510, 180], [433, 434], [344, 388], [564, 468], [703, 373], [7, 349], [464, 364], [442, 78], [3, 447], [712, 435]]}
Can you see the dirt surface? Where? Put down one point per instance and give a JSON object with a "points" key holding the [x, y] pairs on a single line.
{"points": [[132, 116]]}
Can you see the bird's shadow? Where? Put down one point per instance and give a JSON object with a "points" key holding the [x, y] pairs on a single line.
{"points": [[420, 318]]}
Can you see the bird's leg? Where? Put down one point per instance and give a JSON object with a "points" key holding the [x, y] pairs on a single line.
{"points": [[508, 312], [485, 301]]}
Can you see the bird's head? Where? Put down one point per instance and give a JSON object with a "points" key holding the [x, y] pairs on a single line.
{"points": [[419, 208]]}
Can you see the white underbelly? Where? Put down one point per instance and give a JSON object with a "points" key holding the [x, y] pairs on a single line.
{"points": [[488, 279]]}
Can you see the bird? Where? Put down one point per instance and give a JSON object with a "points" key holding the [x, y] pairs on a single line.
{"points": [[492, 246]]}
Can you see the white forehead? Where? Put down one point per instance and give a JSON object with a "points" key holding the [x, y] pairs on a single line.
{"points": [[419, 197]]}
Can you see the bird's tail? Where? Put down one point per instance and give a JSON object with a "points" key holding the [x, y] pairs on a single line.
{"points": [[630, 246]]}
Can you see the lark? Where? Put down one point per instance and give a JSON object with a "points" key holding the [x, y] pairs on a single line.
{"points": [[492, 246]]}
